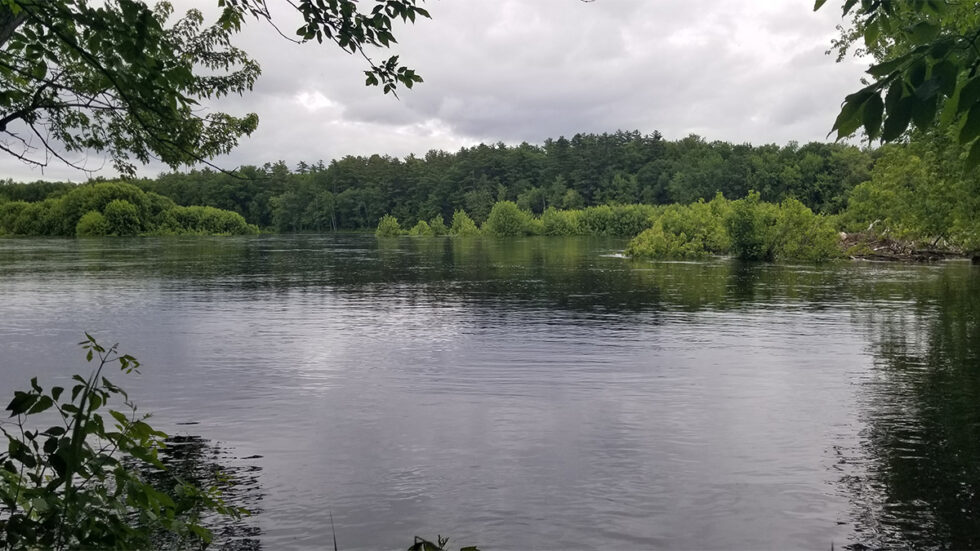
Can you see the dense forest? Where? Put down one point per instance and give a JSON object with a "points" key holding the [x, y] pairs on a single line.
{"points": [[912, 191], [588, 169]]}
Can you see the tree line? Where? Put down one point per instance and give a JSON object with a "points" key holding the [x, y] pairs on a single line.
{"points": [[354, 192], [916, 191]]}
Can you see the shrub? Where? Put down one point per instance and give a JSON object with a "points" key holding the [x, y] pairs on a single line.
{"points": [[596, 220], [438, 225], [630, 220], [655, 242], [803, 235], [560, 222], [80, 483], [388, 227], [9, 213], [752, 228], [506, 220], [421, 229], [122, 218], [92, 224], [463, 225]]}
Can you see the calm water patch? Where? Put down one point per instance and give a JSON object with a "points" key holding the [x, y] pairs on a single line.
{"points": [[535, 393]]}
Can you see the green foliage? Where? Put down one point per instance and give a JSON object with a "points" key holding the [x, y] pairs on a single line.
{"points": [[917, 192], [691, 231], [925, 70], [507, 220], [616, 220], [803, 235], [122, 218], [748, 228], [572, 200], [119, 77], [205, 221], [126, 210], [388, 227], [92, 224], [463, 225], [587, 170], [422, 544], [421, 228], [752, 228], [79, 483], [656, 242], [560, 222], [788, 231], [438, 226]]}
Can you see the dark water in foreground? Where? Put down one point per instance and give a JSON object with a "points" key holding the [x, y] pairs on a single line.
{"points": [[533, 394]]}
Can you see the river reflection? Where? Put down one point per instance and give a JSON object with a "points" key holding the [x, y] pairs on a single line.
{"points": [[539, 393], [921, 411], [207, 465]]}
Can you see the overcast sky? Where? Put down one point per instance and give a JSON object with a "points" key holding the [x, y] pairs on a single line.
{"points": [[526, 70]]}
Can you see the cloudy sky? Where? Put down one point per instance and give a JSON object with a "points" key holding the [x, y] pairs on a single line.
{"points": [[526, 70]]}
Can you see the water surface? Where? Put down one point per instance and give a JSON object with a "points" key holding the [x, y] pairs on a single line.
{"points": [[537, 393]]}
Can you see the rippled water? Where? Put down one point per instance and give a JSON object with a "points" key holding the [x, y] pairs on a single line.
{"points": [[538, 393]]}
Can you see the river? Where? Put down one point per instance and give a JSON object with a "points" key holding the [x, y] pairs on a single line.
{"points": [[533, 393]]}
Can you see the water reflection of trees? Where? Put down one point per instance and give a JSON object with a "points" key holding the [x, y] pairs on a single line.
{"points": [[207, 465], [919, 484]]}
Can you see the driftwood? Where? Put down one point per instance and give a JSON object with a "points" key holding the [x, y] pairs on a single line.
{"points": [[868, 246]]}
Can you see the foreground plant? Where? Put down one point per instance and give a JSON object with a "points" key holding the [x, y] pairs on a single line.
{"points": [[440, 545], [81, 483]]}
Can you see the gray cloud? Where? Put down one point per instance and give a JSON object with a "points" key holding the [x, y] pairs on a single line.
{"points": [[522, 70]]}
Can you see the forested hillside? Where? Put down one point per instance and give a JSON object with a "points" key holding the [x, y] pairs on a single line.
{"points": [[588, 169]]}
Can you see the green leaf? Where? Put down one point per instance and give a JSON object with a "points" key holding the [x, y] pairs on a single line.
{"points": [[927, 89], [871, 33], [55, 431], [897, 120], [850, 117], [916, 74], [973, 158], [872, 115], [894, 95], [946, 73], [43, 403], [924, 31], [948, 115], [21, 403], [924, 112], [886, 67], [971, 126], [969, 94]]}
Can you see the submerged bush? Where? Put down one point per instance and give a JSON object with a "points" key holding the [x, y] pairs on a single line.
{"points": [[560, 222], [422, 228], [748, 228], [507, 220], [126, 210], [752, 228], [803, 235], [616, 220], [655, 242], [463, 225], [438, 225], [92, 224], [691, 231], [122, 218], [388, 227]]}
